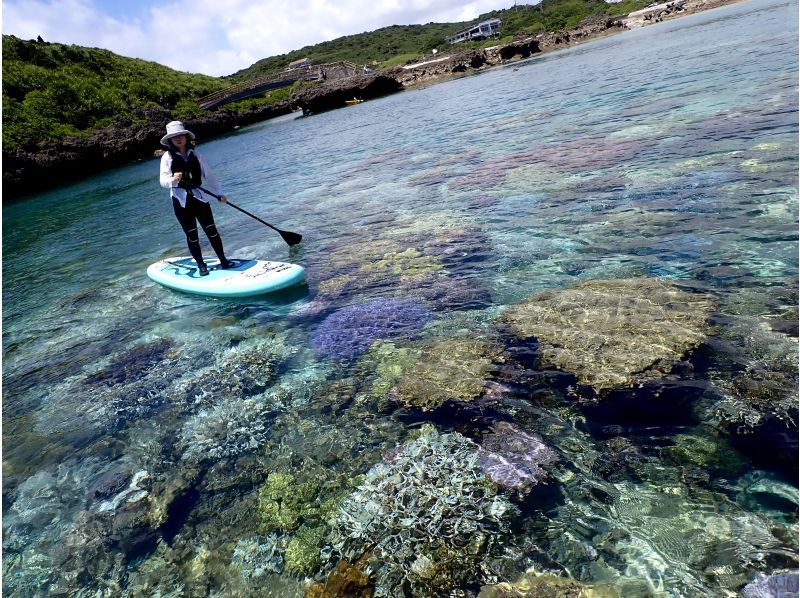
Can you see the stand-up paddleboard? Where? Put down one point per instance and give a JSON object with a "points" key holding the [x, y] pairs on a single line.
{"points": [[247, 278]]}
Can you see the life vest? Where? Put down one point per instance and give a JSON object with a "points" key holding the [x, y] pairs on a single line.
{"points": [[192, 173]]}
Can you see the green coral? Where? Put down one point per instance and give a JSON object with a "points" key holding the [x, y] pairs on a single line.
{"points": [[289, 505], [705, 451], [387, 363], [353, 255], [613, 333], [449, 369], [411, 262], [283, 502], [303, 552], [334, 286]]}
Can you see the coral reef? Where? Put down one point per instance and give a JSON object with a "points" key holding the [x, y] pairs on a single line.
{"points": [[303, 552], [244, 370], [258, 556], [777, 585], [613, 333], [410, 263], [757, 369], [428, 514], [513, 458], [131, 365], [385, 364], [348, 332], [454, 369], [621, 460], [350, 256], [705, 450], [231, 427], [283, 502], [446, 293], [547, 586]]}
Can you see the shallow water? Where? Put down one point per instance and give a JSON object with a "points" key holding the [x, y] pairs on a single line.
{"points": [[159, 442]]}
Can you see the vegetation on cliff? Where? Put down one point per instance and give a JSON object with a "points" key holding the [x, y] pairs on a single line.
{"points": [[383, 46], [51, 91]]}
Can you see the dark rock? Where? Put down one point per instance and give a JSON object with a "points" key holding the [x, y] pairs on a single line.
{"points": [[523, 49], [333, 94], [619, 461], [132, 365], [109, 484]]}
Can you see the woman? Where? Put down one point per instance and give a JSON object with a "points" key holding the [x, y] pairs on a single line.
{"points": [[183, 170]]}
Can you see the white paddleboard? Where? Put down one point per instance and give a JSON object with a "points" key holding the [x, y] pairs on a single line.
{"points": [[247, 278]]}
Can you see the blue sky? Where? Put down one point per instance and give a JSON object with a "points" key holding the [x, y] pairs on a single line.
{"points": [[219, 37]]}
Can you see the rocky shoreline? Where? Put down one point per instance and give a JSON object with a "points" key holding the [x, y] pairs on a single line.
{"points": [[54, 163]]}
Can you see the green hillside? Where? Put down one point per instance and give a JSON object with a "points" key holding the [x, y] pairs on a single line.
{"points": [[383, 45], [53, 90]]}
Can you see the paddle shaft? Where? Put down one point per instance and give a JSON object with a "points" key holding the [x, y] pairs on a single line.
{"points": [[288, 236], [233, 205]]}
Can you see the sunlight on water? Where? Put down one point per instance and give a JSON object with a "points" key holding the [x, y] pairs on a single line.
{"points": [[548, 342]]}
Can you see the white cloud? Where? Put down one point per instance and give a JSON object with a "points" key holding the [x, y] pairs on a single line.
{"points": [[219, 37]]}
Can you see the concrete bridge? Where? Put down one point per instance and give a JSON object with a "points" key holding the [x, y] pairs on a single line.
{"points": [[319, 72]]}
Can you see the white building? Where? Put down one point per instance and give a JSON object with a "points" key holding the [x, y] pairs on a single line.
{"points": [[482, 30]]}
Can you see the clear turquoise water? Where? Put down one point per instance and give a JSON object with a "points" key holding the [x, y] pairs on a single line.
{"points": [[668, 152]]}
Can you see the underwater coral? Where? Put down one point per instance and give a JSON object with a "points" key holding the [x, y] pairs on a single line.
{"points": [[455, 369], [428, 515], [348, 332], [613, 333]]}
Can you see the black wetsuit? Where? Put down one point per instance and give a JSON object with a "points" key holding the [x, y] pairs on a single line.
{"points": [[195, 211]]}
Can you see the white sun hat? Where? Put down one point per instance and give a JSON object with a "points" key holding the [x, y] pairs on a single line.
{"points": [[174, 129]]}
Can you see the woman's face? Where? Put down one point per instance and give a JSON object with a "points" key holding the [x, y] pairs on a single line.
{"points": [[179, 141]]}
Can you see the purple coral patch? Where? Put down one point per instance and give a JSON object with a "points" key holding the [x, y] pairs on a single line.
{"points": [[515, 459], [779, 585], [348, 332]]}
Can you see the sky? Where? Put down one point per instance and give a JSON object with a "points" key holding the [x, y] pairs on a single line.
{"points": [[220, 37]]}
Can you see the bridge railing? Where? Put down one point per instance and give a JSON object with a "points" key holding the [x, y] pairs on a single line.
{"points": [[309, 73]]}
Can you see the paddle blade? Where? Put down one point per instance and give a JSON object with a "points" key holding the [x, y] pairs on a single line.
{"points": [[290, 237]]}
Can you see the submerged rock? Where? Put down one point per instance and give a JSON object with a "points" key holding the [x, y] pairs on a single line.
{"points": [[109, 483], [515, 459], [613, 333], [428, 515]]}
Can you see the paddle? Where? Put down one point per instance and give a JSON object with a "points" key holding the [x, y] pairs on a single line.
{"points": [[288, 236]]}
